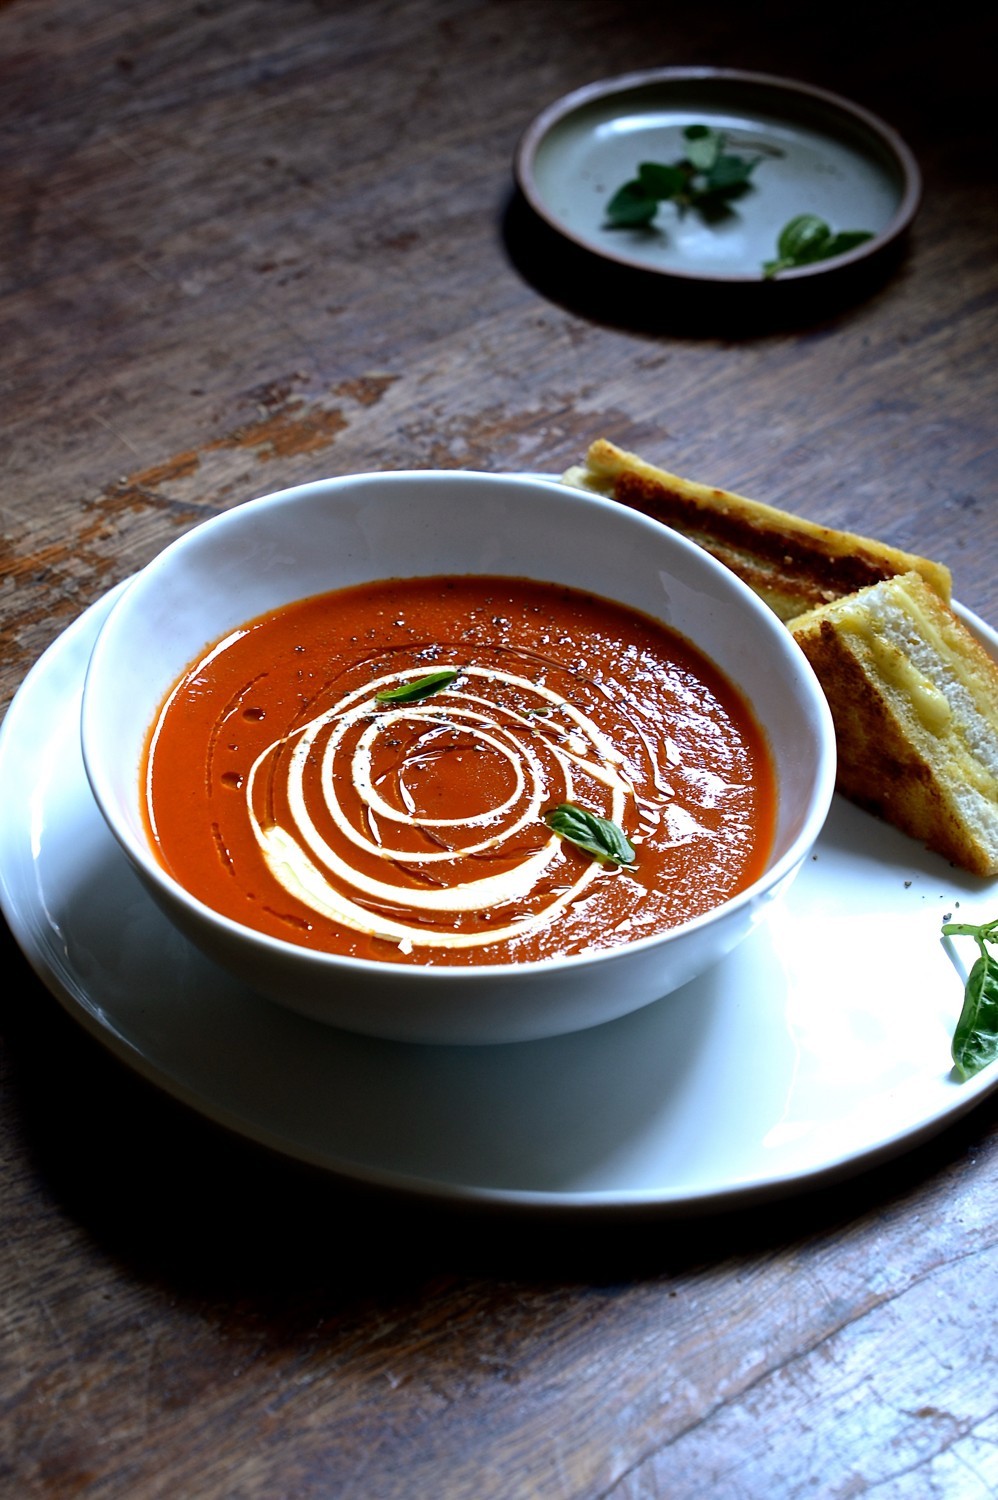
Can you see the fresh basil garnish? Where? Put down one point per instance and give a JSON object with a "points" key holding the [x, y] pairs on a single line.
{"points": [[421, 687], [599, 836], [975, 1040], [705, 178], [806, 239]]}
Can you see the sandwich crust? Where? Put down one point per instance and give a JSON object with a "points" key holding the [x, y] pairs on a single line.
{"points": [[791, 563]]}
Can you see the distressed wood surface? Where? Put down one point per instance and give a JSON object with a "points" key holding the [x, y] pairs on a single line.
{"points": [[244, 245]]}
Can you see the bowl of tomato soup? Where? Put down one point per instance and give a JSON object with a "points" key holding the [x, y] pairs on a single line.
{"points": [[451, 757]]}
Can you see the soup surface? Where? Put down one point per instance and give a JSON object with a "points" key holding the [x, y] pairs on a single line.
{"points": [[285, 790]]}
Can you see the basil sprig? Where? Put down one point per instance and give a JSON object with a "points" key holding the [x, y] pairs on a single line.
{"points": [[421, 687], [705, 178], [975, 1040], [806, 239], [599, 836]]}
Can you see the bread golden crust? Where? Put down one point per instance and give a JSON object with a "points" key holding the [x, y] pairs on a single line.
{"points": [[914, 700], [791, 563]]}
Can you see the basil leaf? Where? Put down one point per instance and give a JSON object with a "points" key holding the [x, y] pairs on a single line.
{"points": [[729, 173], [703, 146], [631, 206], [807, 239], [659, 180], [802, 236], [421, 687], [975, 1040], [599, 836]]}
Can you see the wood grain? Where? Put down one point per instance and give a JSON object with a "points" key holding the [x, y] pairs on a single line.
{"points": [[244, 245]]}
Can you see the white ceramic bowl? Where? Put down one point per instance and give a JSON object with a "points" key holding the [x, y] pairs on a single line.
{"points": [[338, 532]]}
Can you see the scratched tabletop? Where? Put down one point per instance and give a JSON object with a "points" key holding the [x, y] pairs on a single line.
{"points": [[245, 245]]}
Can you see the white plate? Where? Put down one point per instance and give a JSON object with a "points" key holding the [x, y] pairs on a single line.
{"points": [[819, 153], [821, 1045]]}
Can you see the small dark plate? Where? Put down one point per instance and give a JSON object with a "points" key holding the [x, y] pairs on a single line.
{"points": [[818, 153]]}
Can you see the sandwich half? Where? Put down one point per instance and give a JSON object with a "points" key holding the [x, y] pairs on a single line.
{"points": [[914, 698], [793, 564]]}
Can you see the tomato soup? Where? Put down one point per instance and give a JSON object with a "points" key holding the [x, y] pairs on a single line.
{"points": [[371, 772]]}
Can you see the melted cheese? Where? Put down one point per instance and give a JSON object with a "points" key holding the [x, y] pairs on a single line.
{"points": [[894, 666]]}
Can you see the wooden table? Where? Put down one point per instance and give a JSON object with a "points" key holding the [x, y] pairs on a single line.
{"points": [[244, 245]]}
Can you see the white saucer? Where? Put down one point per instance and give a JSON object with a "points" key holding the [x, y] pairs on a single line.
{"points": [[821, 1045]]}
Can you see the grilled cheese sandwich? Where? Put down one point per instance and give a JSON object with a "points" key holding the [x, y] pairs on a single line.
{"points": [[913, 694], [914, 700]]}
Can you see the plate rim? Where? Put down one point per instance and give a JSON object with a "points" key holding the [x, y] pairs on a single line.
{"points": [[604, 88]]}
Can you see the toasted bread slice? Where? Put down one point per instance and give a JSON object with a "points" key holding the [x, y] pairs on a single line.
{"points": [[793, 564], [914, 698]]}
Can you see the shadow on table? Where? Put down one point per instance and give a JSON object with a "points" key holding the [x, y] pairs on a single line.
{"points": [[181, 1202], [645, 302]]}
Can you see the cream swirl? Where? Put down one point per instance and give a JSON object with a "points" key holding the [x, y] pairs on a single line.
{"points": [[544, 748]]}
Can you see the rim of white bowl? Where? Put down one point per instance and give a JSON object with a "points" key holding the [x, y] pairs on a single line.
{"points": [[142, 854]]}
